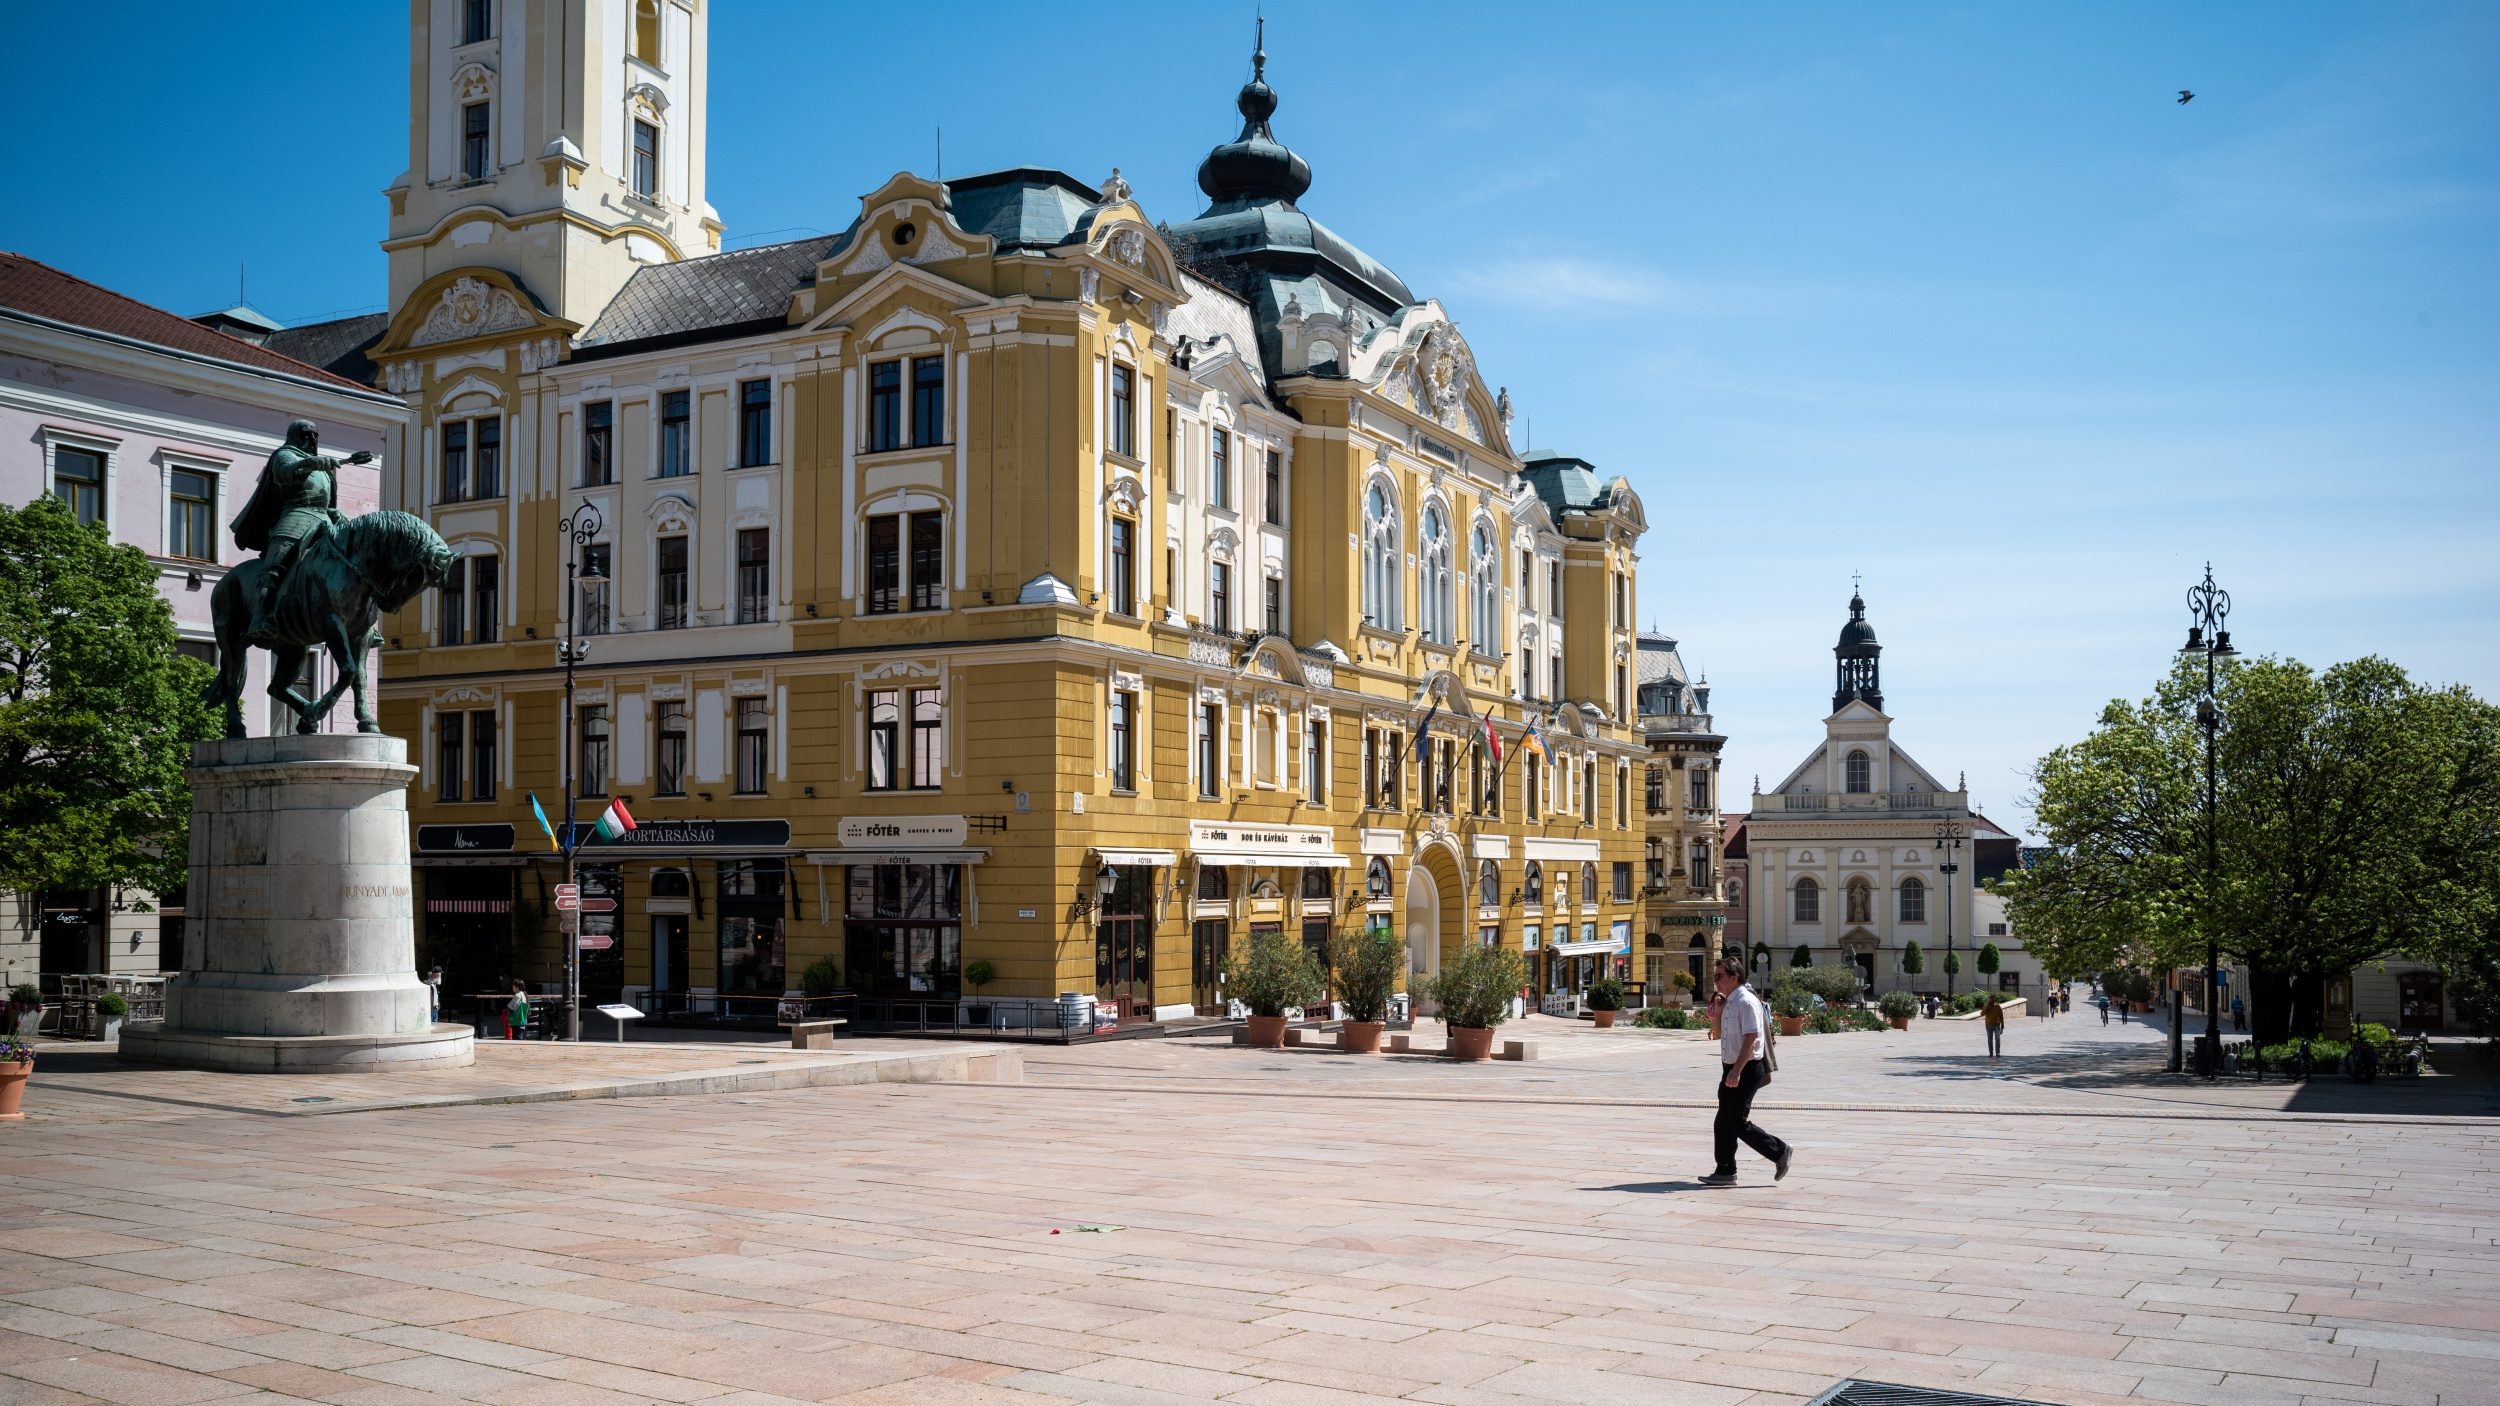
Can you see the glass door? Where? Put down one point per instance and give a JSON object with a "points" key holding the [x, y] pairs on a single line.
{"points": [[1208, 940]]}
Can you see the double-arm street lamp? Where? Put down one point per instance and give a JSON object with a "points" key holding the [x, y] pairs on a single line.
{"points": [[579, 529], [1949, 847], [2209, 611]]}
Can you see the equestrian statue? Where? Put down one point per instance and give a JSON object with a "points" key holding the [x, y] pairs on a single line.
{"points": [[321, 581]]}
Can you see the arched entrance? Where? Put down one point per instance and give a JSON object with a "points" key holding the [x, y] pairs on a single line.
{"points": [[1436, 913], [1697, 961]]}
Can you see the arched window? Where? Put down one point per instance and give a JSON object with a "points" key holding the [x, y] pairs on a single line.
{"points": [[1858, 776], [1861, 901], [1380, 561], [1432, 578], [1376, 878], [1588, 884], [1535, 883], [1488, 885], [1913, 901], [1484, 567], [647, 31], [1809, 907]]}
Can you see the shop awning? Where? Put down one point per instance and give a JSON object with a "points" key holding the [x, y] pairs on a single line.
{"points": [[1585, 949], [897, 856], [1122, 858], [1264, 859]]}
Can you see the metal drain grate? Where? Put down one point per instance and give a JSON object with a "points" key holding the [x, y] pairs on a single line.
{"points": [[1858, 1393]]}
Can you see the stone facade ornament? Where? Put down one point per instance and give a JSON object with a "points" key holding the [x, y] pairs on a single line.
{"points": [[539, 353], [1088, 285], [403, 378], [871, 257], [470, 307], [936, 247], [1128, 246]]}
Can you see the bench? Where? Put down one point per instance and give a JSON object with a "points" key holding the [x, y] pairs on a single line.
{"points": [[814, 1034]]}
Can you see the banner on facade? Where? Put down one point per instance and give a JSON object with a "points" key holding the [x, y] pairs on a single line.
{"points": [[903, 832], [463, 839], [692, 835], [1225, 842]]}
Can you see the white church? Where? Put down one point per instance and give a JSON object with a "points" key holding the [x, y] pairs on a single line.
{"points": [[1861, 850]]}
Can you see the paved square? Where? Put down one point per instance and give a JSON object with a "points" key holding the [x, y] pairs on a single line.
{"points": [[1293, 1227]]}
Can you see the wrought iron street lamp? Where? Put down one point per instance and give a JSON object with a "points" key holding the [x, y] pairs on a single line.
{"points": [[579, 529], [2209, 611], [1949, 845]]}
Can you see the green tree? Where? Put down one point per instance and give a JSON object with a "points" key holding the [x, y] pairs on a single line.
{"points": [[1952, 963], [1913, 960], [1990, 959], [1802, 957], [1762, 956], [97, 710]]}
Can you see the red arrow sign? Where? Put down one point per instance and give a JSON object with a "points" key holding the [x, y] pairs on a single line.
{"points": [[594, 941], [598, 905], [568, 897]]}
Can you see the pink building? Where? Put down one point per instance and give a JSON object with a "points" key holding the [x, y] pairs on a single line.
{"points": [[155, 426]]}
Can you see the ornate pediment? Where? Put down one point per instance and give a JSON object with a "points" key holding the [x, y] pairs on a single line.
{"points": [[470, 305], [470, 308]]}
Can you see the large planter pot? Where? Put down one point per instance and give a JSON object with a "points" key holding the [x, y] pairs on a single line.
{"points": [[13, 1087], [1899, 1022], [1792, 1024], [1605, 1019], [1360, 1036], [1470, 1044], [112, 1027], [29, 1021], [1267, 1032]]}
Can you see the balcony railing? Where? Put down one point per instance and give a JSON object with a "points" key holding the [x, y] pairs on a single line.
{"points": [[1897, 802]]}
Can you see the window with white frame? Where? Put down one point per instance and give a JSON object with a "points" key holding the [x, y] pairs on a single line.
{"points": [[1315, 760], [1913, 900], [1220, 595], [1123, 739], [472, 460], [1485, 592], [755, 575], [669, 573], [1210, 749], [78, 481], [1123, 437], [1432, 576], [1380, 561], [928, 740], [886, 577], [591, 727], [191, 514], [668, 724], [475, 122], [1856, 773], [646, 160], [755, 422], [754, 745], [1123, 569], [477, 21], [1275, 495], [1219, 467], [676, 434], [1808, 902]]}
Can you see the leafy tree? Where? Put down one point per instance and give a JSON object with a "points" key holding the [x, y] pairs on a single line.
{"points": [[1762, 955], [1913, 960], [1952, 963], [1990, 959], [1802, 957], [98, 710], [2357, 818]]}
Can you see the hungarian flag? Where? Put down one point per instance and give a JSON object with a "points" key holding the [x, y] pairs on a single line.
{"points": [[1492, 739], [614, 821]]}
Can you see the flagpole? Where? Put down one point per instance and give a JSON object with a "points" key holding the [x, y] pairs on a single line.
{"points": [[579, 527]]}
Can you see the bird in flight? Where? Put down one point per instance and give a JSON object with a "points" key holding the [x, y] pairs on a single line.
{"points": [[2186, 97]]}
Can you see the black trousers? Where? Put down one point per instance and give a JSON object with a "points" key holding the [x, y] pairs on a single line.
{"points": [[1735, 1119]]}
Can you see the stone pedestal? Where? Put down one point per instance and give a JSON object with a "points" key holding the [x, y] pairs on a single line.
{"points": [[301, 938]]}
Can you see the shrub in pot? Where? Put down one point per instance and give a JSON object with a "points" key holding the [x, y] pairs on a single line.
{"points": [[980, 974], [821, 977], [1369, 963], [1790, 1004], [1605, 998], [17, 1061], [1664, 1018], [1898, 1007], [112, 1008], [1474, 993], [1269, 974], [1826, 1022]]}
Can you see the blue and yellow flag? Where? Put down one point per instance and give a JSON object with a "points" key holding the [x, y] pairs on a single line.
{"points": [[1535, 737], [541, 813]]}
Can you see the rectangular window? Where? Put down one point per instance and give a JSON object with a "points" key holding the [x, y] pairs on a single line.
{"points": [[928, 740], [754, 732], [450, 769], [1588, 798], [455, 462], [1123, 566], [476, 20], [1623, 881], [1701, 790], [928, 561], [598, 440], [1220, 468], [676, 434], [755, 575], [646, 160], [1556, 684], [591, 616], [671, 573], [1220, 595], [1536, 788], [1371, 767], [1123, 741], [1527, 581], [452, 605], [486, 470], [1623, 796], [482, 756], [594, 758], [192, 529], [1123, 410], [1274, 623], [485, 599], [473, 142], [885, 405], [1275, 489], [1210, 749], [78, 480], [885, 564], [1315, 761], [1554, 591], [928, 400], [1392, 770], [755, 423], [669, 722], [885, 737]]}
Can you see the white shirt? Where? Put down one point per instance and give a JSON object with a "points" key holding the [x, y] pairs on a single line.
{"points": [[1740, 1017]]}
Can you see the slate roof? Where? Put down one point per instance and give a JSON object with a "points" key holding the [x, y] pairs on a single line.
{"points": [[1659, 662], [1023, 207], [1566, 482], [337, 346], [36, 288], [715, 297]]}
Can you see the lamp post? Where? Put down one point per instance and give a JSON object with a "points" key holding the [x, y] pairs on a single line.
{"points": [[578, 530], [1949, 840], [2209, 611]]}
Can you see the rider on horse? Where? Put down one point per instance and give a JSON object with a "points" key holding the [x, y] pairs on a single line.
{"points": [[297, 494]]}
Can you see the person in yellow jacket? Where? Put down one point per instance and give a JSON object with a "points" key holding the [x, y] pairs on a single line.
{"points": [[1994, 1018]]}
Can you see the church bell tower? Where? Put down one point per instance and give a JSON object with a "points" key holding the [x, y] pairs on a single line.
{"points": [[557, 141], [1858, 676]]}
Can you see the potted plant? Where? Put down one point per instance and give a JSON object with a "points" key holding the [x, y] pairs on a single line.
{"points": [[17, 1060], [1898, 1007], [1268, 974], [1474, 994], [1369, 963], [1682, 981], [111, 1008], [1605, 999], [980, 974], [1790, 1003], [25, 1010]]}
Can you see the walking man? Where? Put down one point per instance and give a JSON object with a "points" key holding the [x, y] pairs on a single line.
{"points": [[1742, 1044], [1994, 1019], [2239, 1016]]}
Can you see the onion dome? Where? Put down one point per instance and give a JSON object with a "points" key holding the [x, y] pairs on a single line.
{"points": [[1857, 638], [1255, 166]]}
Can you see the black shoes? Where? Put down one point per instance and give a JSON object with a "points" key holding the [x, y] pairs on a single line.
{"points": [[1779, 1167], [1718, 1179]]}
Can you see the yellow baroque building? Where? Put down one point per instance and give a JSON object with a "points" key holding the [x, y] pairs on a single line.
{"points": [[1006, 597]]}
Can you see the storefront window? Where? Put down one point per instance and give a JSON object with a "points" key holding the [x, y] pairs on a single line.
{"points": [[753, 958], [904, 934]]}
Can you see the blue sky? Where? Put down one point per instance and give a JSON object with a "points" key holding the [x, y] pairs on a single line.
{"points": [[1953, 296]]}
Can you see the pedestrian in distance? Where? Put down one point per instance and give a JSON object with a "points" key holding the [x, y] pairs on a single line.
{"points": [[1994, 1018], [1744, 1049], [516, 1012], [2103, 1001], [2239, 1016]]}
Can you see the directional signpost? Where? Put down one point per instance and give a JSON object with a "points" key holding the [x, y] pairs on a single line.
{"points": [[568, 898]]}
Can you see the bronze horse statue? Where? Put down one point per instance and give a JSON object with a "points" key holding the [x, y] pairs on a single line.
{"points": [[344, 578]]}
